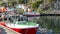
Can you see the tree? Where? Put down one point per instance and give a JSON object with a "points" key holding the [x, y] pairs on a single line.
{"points": [[50, 1], [36, 4], [21, 1], [1, 2]]}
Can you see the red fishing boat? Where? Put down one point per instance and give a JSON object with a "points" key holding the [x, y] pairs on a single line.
{"points": [[21, 25]]}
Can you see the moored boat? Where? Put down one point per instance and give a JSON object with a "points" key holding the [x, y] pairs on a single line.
{"points": [[20, 24], [31, 13]]}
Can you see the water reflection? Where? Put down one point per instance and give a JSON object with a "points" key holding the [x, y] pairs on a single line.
{"points": [[52, 20], [49, 22]]}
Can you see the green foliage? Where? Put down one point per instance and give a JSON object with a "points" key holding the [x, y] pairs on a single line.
{"points": [[30, 0], [21, 11], [10, 4], [36, 4], [1, 2], [50, 1], [21, 2]]}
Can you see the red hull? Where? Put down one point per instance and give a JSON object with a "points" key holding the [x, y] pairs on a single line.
{"points": [[23, 31], [31, 15], [2, 23], [26, 31]]}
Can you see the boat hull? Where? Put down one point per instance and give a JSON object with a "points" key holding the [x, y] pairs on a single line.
{"points": [[2, 23], [22, 30], [32, 15], [26, 30]]}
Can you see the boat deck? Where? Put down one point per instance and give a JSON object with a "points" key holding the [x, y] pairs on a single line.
{"points": [[4, 30]]}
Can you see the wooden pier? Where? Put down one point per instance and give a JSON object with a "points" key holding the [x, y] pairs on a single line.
{"points": [[5, 30]]}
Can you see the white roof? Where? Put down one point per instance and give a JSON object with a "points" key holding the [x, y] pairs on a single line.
{"points": [[10, 9]]}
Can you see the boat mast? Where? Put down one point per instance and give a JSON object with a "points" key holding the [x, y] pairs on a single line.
{"points": [[17, 4], [7, 11]]}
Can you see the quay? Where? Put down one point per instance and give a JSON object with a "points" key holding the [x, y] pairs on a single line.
{"points": [[5, 30]]}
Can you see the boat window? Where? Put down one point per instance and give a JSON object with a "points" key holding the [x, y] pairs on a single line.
{"points": [[22, 19], [25, 18], [18, 19]]}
